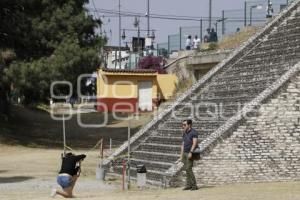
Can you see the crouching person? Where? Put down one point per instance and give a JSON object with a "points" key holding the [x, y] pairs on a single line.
{"points": [[68, 175]]}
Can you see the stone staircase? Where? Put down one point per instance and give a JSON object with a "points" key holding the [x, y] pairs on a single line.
{"points": [[215, 103]]}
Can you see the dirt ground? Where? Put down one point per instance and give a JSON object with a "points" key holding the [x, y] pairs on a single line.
{"points": [[29, 173], [30, 159]]}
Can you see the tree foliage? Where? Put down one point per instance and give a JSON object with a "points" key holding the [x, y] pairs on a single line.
{"points": [[53, 40], [152, 62]]}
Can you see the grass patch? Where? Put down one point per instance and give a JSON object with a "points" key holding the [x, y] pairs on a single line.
{"points": [[230, 41], [235, 40]]}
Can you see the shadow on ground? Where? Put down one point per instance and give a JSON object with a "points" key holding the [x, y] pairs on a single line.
{"points": [[15, 179], [35, 128]]}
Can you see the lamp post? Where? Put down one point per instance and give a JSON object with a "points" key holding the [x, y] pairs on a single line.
{"points": [[209, 15], [120, 60], [136, 24], [245, 14], [148, 18], [153, 35], [252, 7], [152, 39], [123, 35]]}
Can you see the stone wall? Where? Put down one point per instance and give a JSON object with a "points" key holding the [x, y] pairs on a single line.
{"points": [[265, 147]]}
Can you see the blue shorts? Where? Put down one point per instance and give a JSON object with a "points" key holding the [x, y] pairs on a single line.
{"points": [[64, 181]]}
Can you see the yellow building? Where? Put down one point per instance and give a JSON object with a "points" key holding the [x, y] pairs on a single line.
{"points": [[133, 90]]}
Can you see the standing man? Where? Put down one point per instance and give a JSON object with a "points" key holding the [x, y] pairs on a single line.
{"points": [[189, 143], [196, 42], [213, 36], [207, 36], [188, 43]]}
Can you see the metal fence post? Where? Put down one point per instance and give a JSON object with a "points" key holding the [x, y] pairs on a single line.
{"points": [[169, 49], [180, 36], [245, 14], [201, 31], [223, 22]]}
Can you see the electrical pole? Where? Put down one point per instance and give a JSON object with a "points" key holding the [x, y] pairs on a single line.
{"points": [[201, 30], [148, 18], [250, 23], [223, 22], [64, 134], [209, 15], [120, 27], [245, 14]]}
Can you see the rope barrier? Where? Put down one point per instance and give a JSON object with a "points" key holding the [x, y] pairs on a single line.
{"points": [[94, 147]]}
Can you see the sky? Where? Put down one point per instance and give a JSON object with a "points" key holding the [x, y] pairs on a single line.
{"points": [[162, 27]]}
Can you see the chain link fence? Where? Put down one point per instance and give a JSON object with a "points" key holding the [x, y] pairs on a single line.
{"points": [[254, 13]]}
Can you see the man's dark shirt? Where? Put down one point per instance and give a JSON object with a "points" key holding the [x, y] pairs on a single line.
{"points": [[187, 139], [69, 164]]}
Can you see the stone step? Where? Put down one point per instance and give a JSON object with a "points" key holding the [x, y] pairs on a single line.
{"points": [[297, 13], [164, 140], [242, 82], [250, 75], [230, 91], [153, 176], [199, 121], [284, 44], [154, 147], [202, 134], [215, 113], [230, 94], [251, 85], [197, 117], [268, 60], [213, 116], [150, 165], [267, 51], [283, 30], [261, 72], [156, 156], [293, 22], [271, 51], [280, 37], [196, 123], [243, 98], [284, 60], [249, 66], [289, 26], [167, 132], [203, 107], [246, 79]]}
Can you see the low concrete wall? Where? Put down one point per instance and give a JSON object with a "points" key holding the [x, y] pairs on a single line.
{"points": [[193, 65], [201, 63]]}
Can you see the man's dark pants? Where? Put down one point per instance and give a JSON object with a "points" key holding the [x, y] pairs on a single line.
{"points": [[190, 177]]}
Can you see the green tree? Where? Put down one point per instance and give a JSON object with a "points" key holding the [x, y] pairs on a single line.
{"points": [[54, 40]]}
